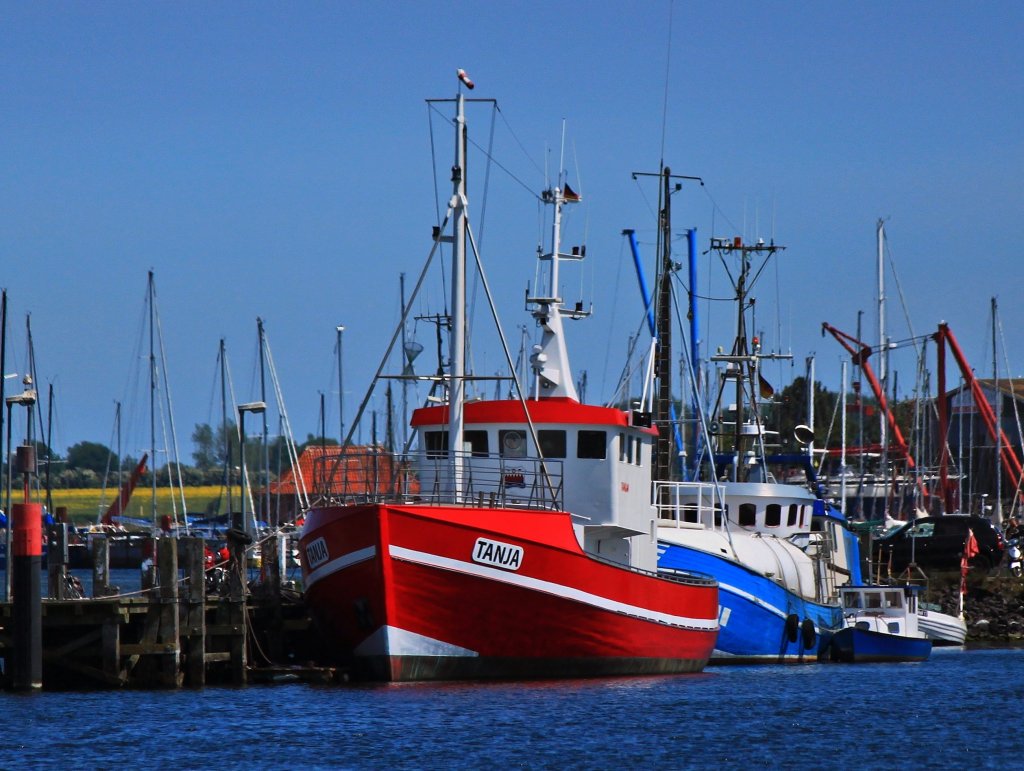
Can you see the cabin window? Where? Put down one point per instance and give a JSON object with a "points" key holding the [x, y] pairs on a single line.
{"points": [[638, 455], [748, 515], [893, 600], [894, 627], [622, 448], [476, 442], [873, 600], [851, 600], [793, 513], [802, 510], [591, 444], [629, 449], [773, 515], [552, 443], [513, 443], [437, 443]]}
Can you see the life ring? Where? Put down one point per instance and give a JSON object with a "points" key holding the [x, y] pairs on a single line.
{"points": [[809, 635], [792, 627]]}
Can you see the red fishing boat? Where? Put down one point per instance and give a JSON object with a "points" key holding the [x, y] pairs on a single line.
{"points": [[518, 540]]}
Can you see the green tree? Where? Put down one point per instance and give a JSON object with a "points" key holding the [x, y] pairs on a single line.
{"points": [[205, 453], [91, 456]]}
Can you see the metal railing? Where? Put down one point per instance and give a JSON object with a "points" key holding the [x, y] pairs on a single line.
{"points": [[689, 504], [488, 481]]}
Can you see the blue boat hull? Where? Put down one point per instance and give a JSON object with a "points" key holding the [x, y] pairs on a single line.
{"points": [[759, 620], [860, 645]]}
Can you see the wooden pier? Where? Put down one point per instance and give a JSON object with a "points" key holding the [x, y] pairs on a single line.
{"points": [[172, 633]]}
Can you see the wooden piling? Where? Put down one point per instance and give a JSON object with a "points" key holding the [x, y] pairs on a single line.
{"points": [[100, 547], [193, 553]]}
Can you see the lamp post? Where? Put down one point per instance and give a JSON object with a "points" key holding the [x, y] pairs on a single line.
{"points": [[255, 407]]}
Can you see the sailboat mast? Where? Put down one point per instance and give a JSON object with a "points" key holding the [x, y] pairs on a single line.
{"points": [[457, 345], [883, 347], [998, 399], [222, 355], [266, 445], [152, 400]]}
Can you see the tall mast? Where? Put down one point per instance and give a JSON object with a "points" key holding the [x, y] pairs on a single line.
{"points": [[457, 344], [222, 356], [266, 444], [340, 329], [998, 398], [152, 401], [663, 467], [550, 358], [883, 343]]}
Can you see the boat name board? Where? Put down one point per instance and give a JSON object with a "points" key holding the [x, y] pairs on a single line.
{"points": [[500, 555], [316, 553]]}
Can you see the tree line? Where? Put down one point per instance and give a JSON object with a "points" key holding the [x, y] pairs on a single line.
{"points": [[92, 464]]}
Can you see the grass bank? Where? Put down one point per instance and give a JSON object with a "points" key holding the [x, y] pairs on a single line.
{"points": [[86, 504]]}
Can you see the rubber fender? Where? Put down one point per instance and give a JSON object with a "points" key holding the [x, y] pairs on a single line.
{"points": [[808, 633], [239, 536], [792, 627]]}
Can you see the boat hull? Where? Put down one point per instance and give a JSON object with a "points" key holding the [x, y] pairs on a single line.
{"points": [[450, 592], [851, 644], [942, 628], [756, 617]]}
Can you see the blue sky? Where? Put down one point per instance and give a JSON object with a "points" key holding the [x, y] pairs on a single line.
{"points": [[274, 160]]}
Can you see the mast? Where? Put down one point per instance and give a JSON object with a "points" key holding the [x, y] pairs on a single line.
{"points": [[266, 445], [663, 466], [222, 356], [842, 451], [550, 358], [152, 401], [998, 398], [341, 388], [457, 344], [883, 347]]}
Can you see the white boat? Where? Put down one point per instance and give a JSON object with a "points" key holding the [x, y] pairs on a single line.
{"points": [[941, 628], [882, 624]]}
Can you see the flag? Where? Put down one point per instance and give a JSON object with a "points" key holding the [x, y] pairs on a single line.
{"points": [[767, 392], [570, 195], [970, 549]]}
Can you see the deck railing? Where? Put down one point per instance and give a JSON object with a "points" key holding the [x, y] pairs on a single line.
{"points": [[689, 504], [484, 480]]}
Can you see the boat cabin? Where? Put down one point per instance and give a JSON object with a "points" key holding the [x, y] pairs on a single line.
{"points": [[592, 462], [890, 609]]}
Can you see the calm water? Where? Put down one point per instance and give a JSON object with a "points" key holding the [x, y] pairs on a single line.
{"points": [[959, 709]]}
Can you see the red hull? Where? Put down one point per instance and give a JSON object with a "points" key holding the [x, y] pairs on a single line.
{"points": [[412, 593]]}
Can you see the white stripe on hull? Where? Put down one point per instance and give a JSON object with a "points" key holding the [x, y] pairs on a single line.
{"points": [[548, 587]]}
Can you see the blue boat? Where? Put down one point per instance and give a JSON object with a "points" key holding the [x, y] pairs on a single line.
{"points": [[778, 552], [881, 624]]}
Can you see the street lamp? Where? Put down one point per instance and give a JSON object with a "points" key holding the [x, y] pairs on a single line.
{"points": [[255, 407]]}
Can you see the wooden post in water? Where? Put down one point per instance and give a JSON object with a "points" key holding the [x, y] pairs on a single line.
{"points": [[57, 561], [238, 617], [100, 565], [169, 673], [194, 633]]}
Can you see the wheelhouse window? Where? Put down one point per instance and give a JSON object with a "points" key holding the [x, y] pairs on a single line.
{"points": [[638, 455], [748, 515], [552, 443], [622, 448], [476, 442], [794, 510], [436, 443], [773, 515], [851, 600], [592, 444], [513, 443]]}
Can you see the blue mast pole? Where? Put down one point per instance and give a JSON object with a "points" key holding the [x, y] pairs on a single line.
{"points": [[646, 296]]}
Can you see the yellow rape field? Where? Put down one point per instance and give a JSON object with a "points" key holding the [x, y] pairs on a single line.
{"points": [[84, 504]]}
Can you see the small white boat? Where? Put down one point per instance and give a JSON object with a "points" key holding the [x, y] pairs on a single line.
{"points": [[941, 628], [881, 625]]}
